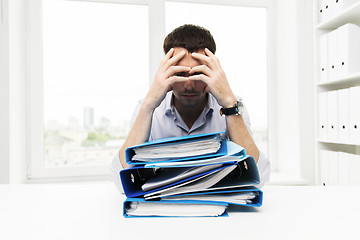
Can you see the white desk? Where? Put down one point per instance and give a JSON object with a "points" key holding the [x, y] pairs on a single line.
{"points": [[94, 211]]}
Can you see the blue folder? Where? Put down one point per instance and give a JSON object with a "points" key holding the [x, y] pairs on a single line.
{"points": [[245, 174], [134, 177], [129, 152], [256, 202]]}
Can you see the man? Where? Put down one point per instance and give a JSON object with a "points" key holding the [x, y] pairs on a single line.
{"points": [[190, 95]]}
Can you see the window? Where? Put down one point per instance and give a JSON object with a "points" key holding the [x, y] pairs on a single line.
{"points": [[91, 61], [92, 53], [241, 49]]}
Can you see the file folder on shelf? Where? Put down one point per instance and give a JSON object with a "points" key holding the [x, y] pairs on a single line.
{"points": [[348, 49], [323, 58], [354, 119], [323, 116], [332, 114], [343, 115], [333, 55], [182, 186]]}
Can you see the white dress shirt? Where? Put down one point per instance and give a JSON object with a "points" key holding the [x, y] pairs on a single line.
{"points": [[167, 122]]}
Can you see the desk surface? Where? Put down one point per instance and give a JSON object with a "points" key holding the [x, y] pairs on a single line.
{"points": [[94, 211]]}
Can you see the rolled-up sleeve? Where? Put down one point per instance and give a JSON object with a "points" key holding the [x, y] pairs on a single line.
{"points": [[264, 168]]}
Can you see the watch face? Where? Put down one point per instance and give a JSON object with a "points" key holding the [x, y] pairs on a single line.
{"points": [[240, 107]]}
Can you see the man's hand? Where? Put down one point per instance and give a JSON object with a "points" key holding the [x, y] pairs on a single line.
{"points": [[164, 78], [214, 76]]}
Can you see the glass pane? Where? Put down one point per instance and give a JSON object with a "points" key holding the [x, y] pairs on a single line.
{"points": [[92, 52], [240, 36]]}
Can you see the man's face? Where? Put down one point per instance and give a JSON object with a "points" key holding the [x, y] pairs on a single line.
{"points": [[189, 93]]}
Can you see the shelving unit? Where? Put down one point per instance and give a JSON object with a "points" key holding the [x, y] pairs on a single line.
{"points": [[330, 151]]}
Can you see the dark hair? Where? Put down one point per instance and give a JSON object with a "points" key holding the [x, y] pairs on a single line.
{"points": [[191, 37]]}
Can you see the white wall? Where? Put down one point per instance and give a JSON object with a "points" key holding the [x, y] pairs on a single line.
{"points": [[287, 88], [294, 78], [306, 89], [4, 94], [13, 131]]}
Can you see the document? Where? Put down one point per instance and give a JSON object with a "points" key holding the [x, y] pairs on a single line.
{"points": [[233, 197], [167, 176], [194, 185], [178, 149], [200, 162], [159, 208], [233, 153]]}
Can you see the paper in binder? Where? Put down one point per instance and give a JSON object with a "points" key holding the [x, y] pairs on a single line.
{"points": [[176, 149]]}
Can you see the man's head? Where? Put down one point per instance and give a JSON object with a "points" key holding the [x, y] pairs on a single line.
{"points": [[191, 37], [189, 94]]}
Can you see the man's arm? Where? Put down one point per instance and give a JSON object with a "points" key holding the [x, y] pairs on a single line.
{"points": [[163, 80], [239, 134], [217, 84], [139, 133]]}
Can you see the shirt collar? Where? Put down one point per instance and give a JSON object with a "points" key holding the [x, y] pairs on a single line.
{"points": [[170, 107]]}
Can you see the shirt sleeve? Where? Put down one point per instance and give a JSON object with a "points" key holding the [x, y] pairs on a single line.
{"points": [[263, 165], [115, 169]]}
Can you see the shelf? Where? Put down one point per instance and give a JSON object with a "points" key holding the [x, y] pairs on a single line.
{"points": [[349, 15], [351, 80], [338, 142]]}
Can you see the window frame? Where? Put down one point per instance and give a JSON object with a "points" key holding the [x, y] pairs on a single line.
{"points": [[156, 12]]}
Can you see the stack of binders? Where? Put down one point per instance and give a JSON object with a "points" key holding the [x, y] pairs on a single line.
{"points": [[196, 175]]}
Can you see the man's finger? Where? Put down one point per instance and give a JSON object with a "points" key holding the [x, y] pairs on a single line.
{"points": [[168, 55], [209, 53], [177, 69], [174, 59], [203, 59], [173, 79], [201, 69], [200, 77]]}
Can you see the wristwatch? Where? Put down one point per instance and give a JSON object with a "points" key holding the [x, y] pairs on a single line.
{"points": [[237, 109]]}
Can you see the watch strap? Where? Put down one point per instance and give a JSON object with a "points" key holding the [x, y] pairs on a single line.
{"points": [[234, 110]]}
